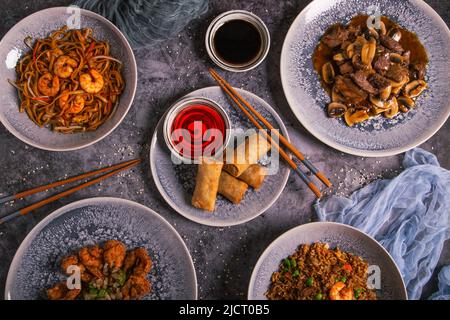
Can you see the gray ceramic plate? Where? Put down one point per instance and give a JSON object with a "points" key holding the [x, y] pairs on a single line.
{"points": [[379, 136], [176, 183], [41, 24], [35, 266], [336, 235]]}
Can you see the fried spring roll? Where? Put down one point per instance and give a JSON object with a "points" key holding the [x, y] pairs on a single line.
{"points": [[246, 154], [254, 176], [207, 184], [232, 188]]}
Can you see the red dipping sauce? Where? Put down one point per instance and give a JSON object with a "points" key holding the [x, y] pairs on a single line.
{"points": [[197, 136]]}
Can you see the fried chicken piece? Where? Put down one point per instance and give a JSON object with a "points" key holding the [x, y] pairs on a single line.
{"points": [[135, 288], [74, 261], [137, 262], [114, 253], [61, 292], [92, 259]]}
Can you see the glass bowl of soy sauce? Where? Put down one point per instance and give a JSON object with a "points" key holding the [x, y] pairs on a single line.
{"points": [[237, 40]]}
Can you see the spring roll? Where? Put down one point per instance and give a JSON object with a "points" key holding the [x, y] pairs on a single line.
{"points": [[207, 184], [232, 188], [254, 176], [246, 154]]}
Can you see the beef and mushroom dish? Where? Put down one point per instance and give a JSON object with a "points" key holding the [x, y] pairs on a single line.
{"points": [[368, 71]]}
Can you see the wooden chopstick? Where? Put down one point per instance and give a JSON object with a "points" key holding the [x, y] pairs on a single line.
{"points": [[283, 140], [26, 193], [283, 154], [116, 169]]}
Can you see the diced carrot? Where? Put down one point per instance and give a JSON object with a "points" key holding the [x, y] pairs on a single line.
{"points": [[347, 267], [89, 49]]}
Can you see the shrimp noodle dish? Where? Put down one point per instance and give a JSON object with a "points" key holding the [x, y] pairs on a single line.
{"points": [[315, 272], [68, 81], [106, 272]]}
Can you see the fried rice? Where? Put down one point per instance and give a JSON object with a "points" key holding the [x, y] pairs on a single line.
{"points": [[315, 272]]}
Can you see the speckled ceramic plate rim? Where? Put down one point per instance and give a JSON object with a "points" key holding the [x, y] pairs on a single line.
{"points": [[331, 143], [134, 83], [199, 220], [83, 203], [291, 233]]}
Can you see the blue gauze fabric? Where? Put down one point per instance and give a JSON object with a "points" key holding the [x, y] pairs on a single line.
{"points": [[408, 215], [444, 285], [147, 22]]}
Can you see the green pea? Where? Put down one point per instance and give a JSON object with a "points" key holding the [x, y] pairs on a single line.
{"points": [[309, 281], [287, 263], [293, 263], [318, 296], [357, 293], [296, 273]]}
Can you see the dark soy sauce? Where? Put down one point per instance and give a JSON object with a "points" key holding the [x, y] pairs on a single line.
{"points": [[238, 42]]}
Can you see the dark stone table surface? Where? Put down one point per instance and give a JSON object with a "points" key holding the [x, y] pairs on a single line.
{"points": [[224, 257]]}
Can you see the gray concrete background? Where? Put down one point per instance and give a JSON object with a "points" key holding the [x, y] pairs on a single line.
{"points": [[224, 257]]}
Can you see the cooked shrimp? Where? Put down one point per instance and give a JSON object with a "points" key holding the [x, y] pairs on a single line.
{"points": [[57, 52], [61, 292], [138, 262], [136, 287], [114, 253], [48, 85], [77, 105], [91, 258], [340, 292], [63, 98], [91, 82], [64, 66]]}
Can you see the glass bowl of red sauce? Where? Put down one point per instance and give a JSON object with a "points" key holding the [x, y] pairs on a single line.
{"points": [[195, 128]]}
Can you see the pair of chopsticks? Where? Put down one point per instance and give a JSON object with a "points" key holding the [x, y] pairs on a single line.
{"points": [[111, 170], [251, 113]]}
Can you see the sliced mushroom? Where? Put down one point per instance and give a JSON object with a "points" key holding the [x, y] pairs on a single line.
{"points": [[395, 34], [398, 86], [357, 117], [400, 83], [374, 111], [338, 57], [383, 29], [392, 112], [378, 103], [385, 93], [328, 73], [336, 110], [396, 58], [374, 33], [406, 101], [350, 50], [368, 52], [415, 88], [360, 40], [405, 104]]}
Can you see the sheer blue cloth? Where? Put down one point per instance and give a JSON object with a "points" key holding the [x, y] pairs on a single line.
{"points": [[409, 215], [444, 285]]}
